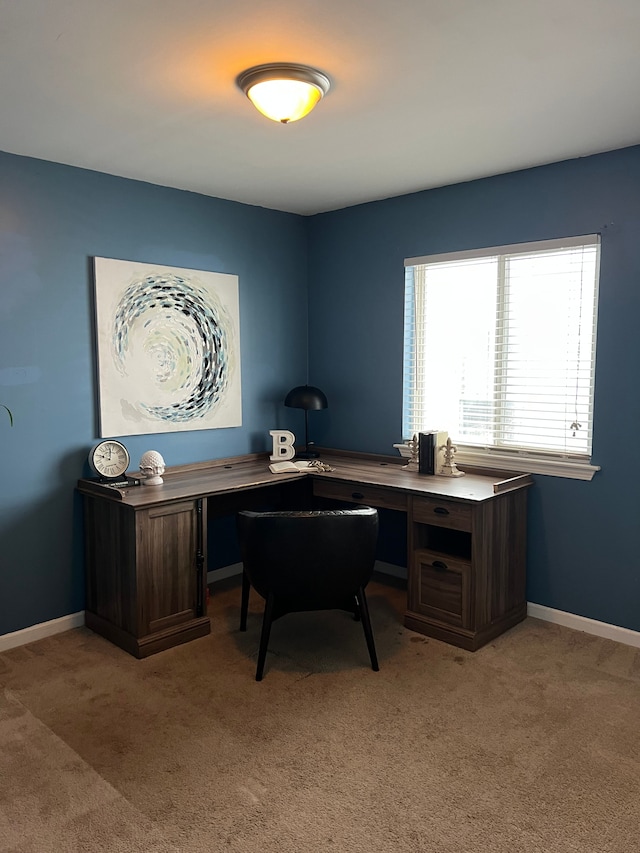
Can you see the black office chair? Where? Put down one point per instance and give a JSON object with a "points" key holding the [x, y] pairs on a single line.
{"points": [[308, 560]]}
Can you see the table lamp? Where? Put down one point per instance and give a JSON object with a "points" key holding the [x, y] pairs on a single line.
{"points": [[306, 397]]}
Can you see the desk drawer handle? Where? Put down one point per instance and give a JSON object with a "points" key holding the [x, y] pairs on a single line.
{"points": [[358, 496], [439, 566], [441, 510]]}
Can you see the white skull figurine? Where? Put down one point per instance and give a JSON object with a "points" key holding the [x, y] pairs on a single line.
{"points": [[151, 468]]}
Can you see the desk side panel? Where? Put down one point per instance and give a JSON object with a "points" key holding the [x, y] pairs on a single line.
{"points": [[499, 559], [110, 562]]}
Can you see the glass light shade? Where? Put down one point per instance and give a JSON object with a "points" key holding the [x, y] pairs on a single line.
{"points": [[284, 92], [284, 100]]}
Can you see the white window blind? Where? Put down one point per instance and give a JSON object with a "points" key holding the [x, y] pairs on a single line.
{"points": [[500, 347]]}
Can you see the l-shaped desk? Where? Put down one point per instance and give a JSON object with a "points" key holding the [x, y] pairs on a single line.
{"points": [[146, 546]]}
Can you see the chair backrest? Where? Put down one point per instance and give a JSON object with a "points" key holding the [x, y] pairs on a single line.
{"points": [[313, 558]]}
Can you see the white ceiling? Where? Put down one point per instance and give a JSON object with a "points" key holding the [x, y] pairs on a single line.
{"points": [[424, 92]]}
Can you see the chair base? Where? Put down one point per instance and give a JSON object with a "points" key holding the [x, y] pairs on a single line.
{"points": [[360, 610]]}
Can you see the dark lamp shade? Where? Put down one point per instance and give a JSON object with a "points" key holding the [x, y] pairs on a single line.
{"points": [[306, 397]]}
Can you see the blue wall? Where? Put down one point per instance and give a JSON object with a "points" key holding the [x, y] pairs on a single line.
{"points": [[53, 220], [583, 541]]}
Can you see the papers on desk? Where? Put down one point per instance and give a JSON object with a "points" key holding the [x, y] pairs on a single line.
{"points": [[291, 466]]}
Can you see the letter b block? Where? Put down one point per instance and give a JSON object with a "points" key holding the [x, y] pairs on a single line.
{"points": [[283, 440]]}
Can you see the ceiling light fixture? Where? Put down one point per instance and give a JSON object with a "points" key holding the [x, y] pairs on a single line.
{"points": [[284, 92]]}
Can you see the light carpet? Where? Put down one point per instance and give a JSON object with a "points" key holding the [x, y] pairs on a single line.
{"points": [[529, 744]]}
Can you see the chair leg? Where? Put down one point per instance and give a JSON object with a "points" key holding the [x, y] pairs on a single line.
{"points": [[264, 636], [366, 625], [244, 606]]}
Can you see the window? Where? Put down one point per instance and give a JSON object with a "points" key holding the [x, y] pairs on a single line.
{"points": [[500, 352]]}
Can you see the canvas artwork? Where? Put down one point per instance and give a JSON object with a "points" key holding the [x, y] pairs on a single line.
{"points": [[168, 344]]}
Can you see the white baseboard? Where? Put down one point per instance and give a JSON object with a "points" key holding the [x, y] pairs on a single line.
{"points": [[538, 611], [582, 623], [43, 629]]}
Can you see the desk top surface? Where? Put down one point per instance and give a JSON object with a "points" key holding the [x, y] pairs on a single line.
{"points": [[241, 473]]}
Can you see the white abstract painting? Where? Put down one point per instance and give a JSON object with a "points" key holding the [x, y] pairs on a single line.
{"points": [[168, 342]]}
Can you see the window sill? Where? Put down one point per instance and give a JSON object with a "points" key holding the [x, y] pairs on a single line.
{"points": [[570, 468]]}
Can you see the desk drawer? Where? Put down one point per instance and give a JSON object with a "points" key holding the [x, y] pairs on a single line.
{"points": [[442, 513], [440, 588], [360, 493]]}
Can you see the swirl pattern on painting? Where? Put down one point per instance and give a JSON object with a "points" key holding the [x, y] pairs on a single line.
{"points": [[170, 338]]}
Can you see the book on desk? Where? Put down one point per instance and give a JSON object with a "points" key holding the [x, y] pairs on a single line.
{"points": [[290, 466], [117, 487], [431, 445]]}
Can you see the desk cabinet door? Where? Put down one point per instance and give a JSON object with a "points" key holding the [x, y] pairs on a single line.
{"points": [[440, 588], [167, 546]]}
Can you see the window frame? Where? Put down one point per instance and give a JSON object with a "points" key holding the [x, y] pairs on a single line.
{"points": [[554, 463]]}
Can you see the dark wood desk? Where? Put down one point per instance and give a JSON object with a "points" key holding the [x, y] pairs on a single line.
{"points": [[146, 546]]}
